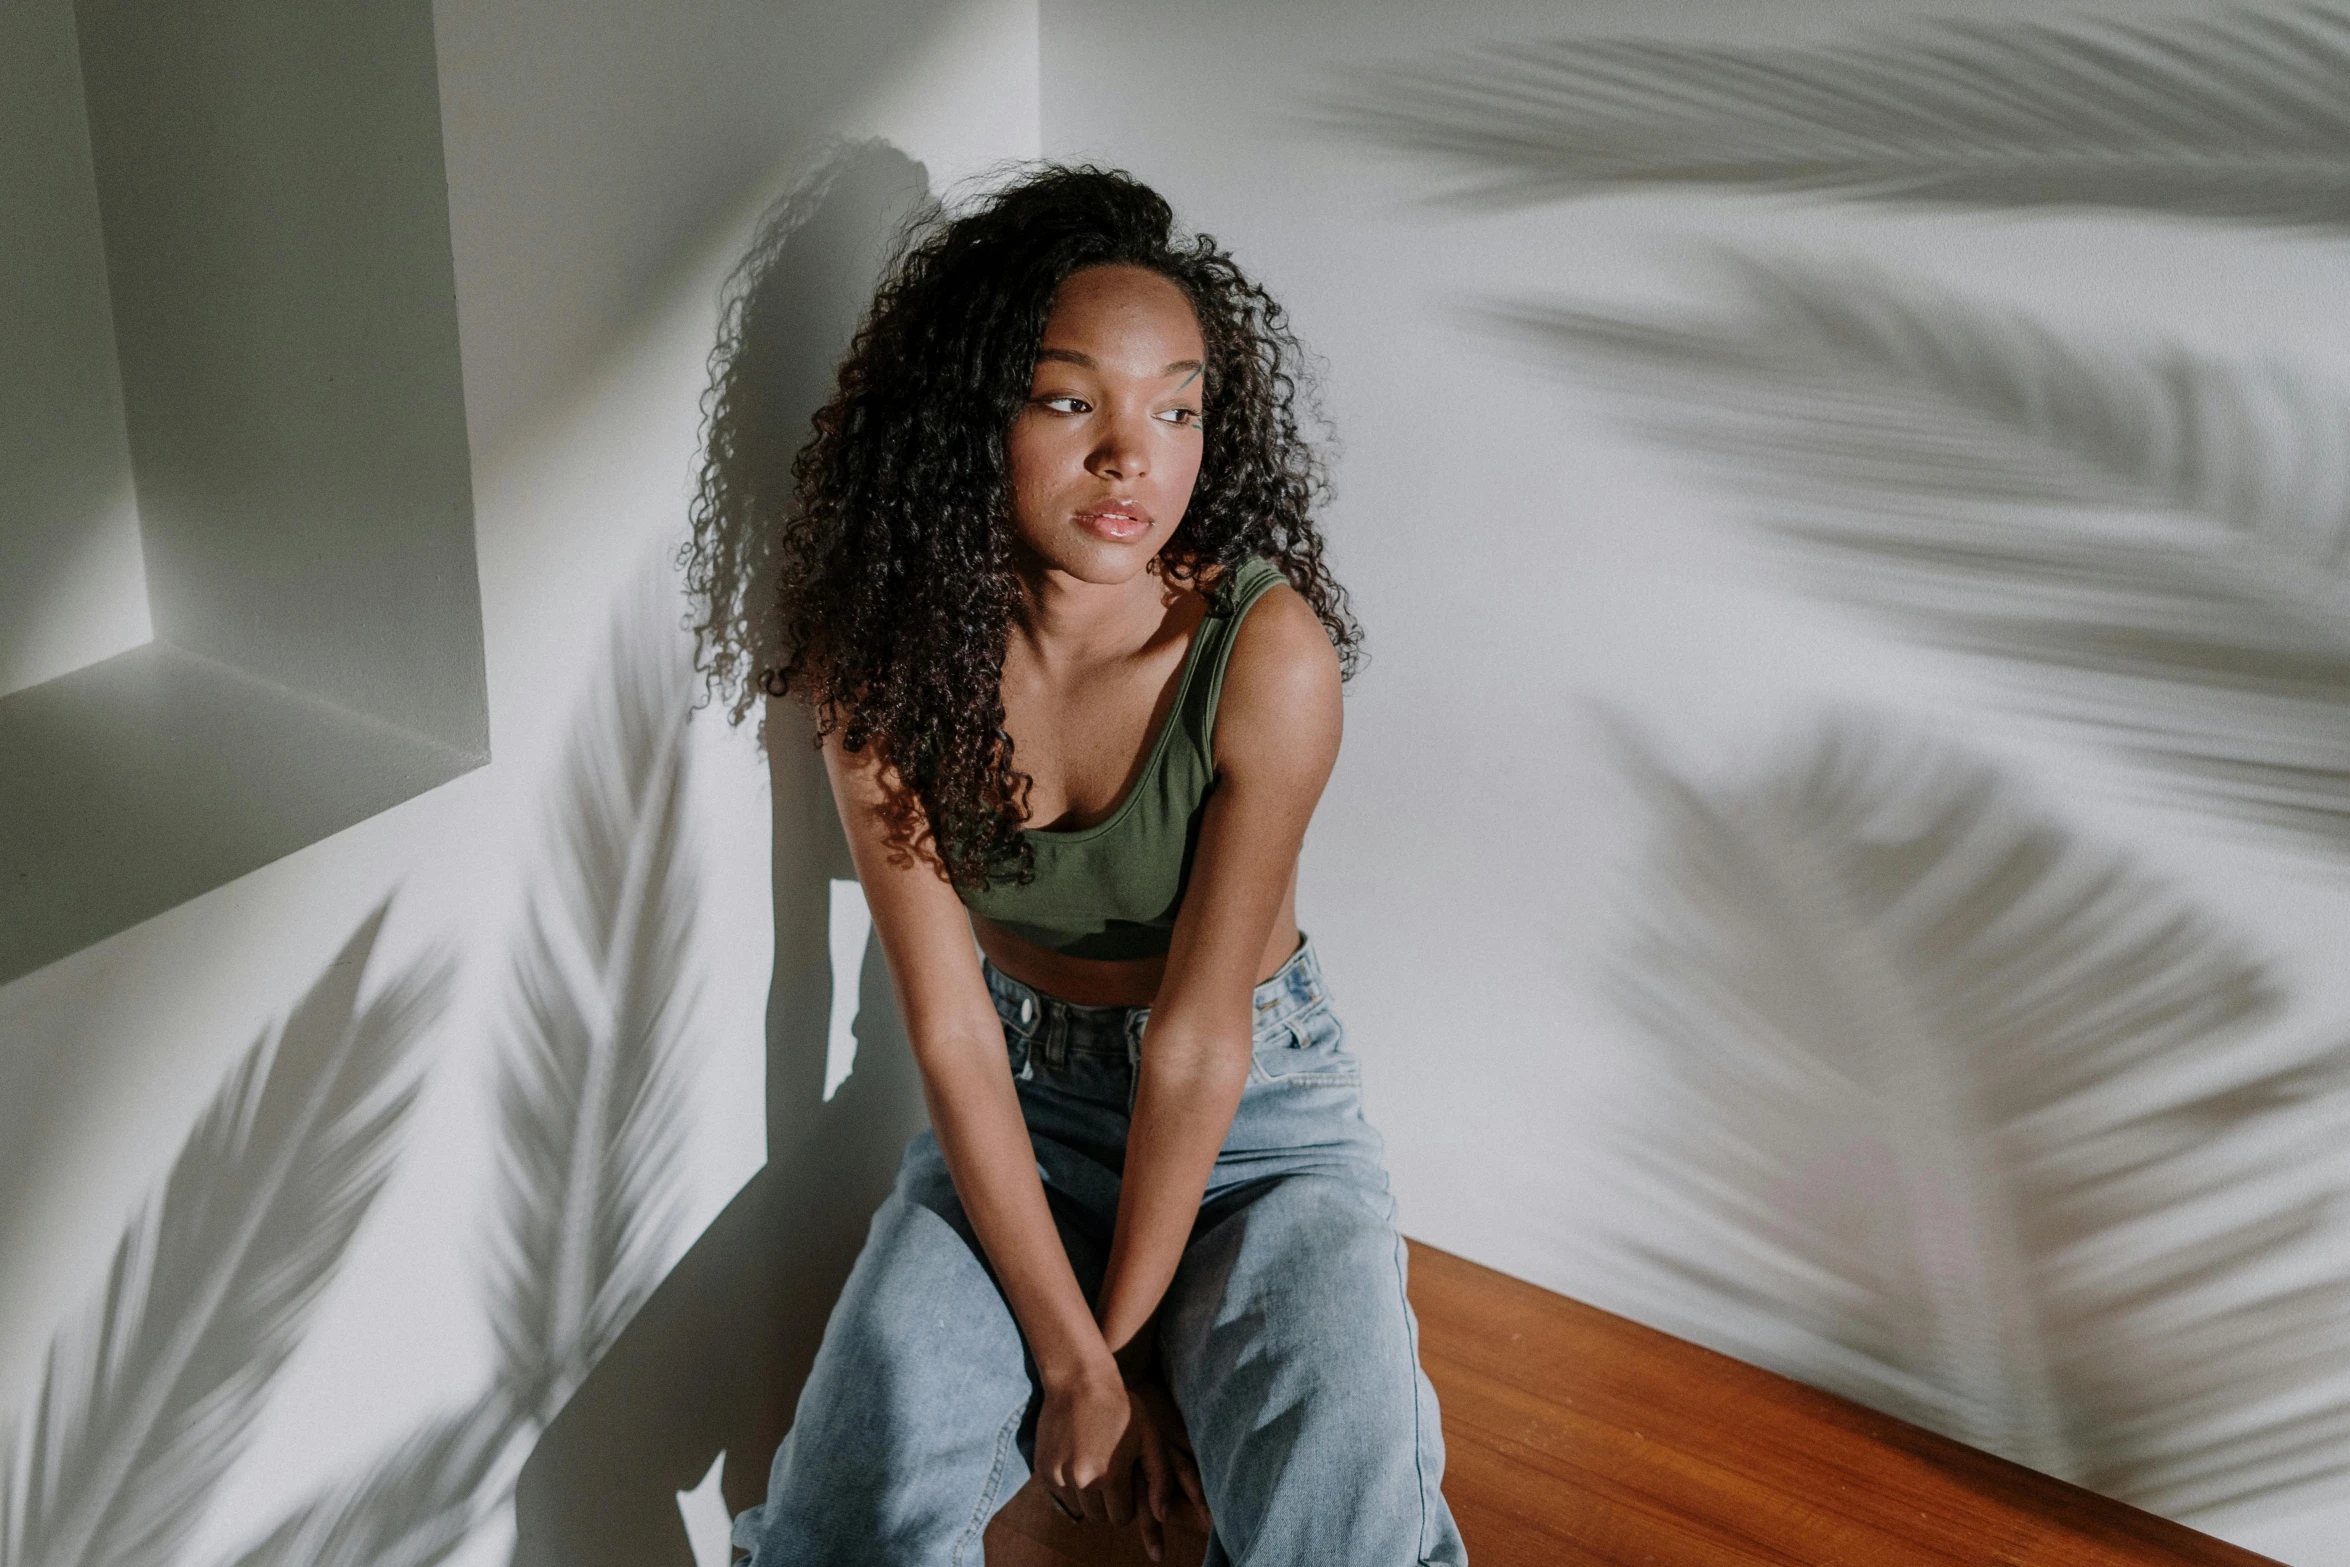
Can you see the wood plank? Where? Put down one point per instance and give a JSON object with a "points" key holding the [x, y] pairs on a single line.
{"points": [[1575, 1438]]}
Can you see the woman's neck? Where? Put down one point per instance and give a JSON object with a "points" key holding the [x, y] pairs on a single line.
{"points": [[1070, 622]]}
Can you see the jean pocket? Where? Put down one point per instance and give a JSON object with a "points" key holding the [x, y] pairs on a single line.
{"points": [[1304, 1049]]}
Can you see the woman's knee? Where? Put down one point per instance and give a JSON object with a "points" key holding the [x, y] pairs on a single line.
{"points": [[1299, 1290], [1326, 1238], [920, 1289]]}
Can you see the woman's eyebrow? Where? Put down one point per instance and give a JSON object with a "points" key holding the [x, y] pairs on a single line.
{"points": [[1073, 357]]}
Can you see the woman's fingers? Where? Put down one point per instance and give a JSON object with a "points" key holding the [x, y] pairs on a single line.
{"points": [[1167, 1425], [1158, 1476], [1154, 1536], [1187, 1479], [1067, 1499], [1117, 1493], [1158, 1487]]}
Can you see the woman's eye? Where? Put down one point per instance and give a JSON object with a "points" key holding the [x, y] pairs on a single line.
{"points": [[1063, 405], [1185, 417]]}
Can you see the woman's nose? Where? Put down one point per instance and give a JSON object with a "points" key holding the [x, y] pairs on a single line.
{"points": [[1121, 454]]}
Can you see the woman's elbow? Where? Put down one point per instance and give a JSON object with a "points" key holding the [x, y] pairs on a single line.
{"points": [[1205, 1059]]}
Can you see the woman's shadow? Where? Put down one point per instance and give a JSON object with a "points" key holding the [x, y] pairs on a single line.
{"points": [[714, 1360]]}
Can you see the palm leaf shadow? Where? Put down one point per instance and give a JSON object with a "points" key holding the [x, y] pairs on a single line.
{"points": [[2238, 115], [1982, 1126], [589, 1117], [588, 1092], [140, 1414], [2156, 542], [412, 1507]]}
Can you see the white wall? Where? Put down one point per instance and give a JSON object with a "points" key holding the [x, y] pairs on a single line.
{"points": [[1524, 564], [73, 589], [605, 163]]}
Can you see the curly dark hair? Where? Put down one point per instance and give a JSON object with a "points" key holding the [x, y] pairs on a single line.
{"points": [[879, 585]]}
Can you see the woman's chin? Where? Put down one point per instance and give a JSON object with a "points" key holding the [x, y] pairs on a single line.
{"points": [[1103, 562]]}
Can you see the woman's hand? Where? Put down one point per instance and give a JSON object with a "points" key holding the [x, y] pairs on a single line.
{"points": [[1176, 1477], [1112, 1454], [1083, 1433]]}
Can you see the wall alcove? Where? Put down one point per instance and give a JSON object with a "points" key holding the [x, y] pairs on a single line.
{"points": [[231, 333]]}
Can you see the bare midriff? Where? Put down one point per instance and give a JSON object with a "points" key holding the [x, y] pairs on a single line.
{"points": [[1127, 982]]}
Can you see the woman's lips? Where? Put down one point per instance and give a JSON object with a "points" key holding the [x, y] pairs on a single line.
{"points": [[1114, 522]]}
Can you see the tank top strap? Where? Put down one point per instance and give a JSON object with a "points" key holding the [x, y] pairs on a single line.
{"points": [[1250, 581]]}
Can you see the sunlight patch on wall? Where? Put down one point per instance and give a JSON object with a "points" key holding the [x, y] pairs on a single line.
{"points": [[967, 96], [73, 586], [851, 923], [707, 1525], [95, 607]]}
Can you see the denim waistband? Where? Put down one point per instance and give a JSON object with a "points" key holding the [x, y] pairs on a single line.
{"points": [[1293, 988]]}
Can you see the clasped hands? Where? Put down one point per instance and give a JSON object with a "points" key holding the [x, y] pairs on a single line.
{"points": [[1111, 1448]]}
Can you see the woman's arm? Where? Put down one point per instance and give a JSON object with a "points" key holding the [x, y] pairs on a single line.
{"points": [[1276, 739], [967, 1084]]}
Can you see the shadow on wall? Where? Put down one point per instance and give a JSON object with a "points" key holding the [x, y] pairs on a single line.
{"points": [[149, 1399], [624, 1385], [2232, 114], [1970, 1118], [713, 1361]]}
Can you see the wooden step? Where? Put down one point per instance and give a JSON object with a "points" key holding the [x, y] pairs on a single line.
{"points": [[1579, 1439]]}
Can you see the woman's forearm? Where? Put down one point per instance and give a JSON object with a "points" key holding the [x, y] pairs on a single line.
{"points": [[1190, 1089], [975, 1111]]}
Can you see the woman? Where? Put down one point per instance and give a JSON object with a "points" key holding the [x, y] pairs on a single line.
{"points": [[1050, 583]]}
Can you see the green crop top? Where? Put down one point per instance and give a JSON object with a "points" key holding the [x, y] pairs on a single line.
{"points": [[1111, 890]]}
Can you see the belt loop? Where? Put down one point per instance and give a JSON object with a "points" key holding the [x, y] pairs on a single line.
{"points": [[1056, 1033]]}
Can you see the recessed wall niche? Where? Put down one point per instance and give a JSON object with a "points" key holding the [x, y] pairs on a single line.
{"points": [[228, 317]]}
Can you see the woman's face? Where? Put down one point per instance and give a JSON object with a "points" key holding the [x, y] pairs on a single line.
{"points": [[1103, 457]]}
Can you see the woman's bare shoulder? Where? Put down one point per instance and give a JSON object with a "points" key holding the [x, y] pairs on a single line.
{"points": [[1282, 638], [1281, 686]]}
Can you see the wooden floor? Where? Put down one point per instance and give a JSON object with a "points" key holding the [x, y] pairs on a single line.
{"points": [[1575, 1438]]}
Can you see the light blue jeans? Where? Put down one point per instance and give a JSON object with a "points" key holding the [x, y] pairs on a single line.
{"points": [[1285, 1337]]}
